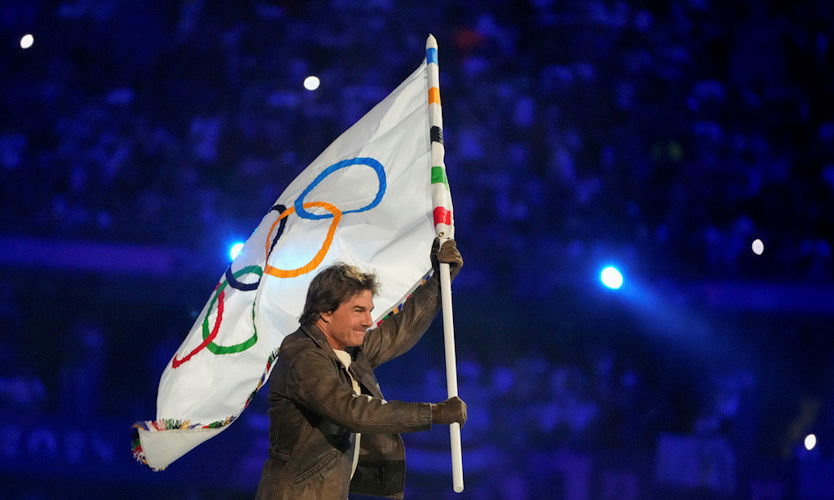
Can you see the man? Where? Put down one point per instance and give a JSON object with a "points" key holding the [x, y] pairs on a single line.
{"points": [[331, 431]]}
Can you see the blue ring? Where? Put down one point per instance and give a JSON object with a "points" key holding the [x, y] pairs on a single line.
{"points": [[380, 173]]}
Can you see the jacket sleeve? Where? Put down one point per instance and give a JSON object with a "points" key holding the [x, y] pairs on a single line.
{"points": [[397, 334], [314, 381]]}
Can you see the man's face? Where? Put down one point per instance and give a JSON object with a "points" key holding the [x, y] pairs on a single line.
{"points": [[346, 326]]}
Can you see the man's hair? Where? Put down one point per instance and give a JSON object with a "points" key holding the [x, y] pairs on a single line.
{"points": [[332, 286]]}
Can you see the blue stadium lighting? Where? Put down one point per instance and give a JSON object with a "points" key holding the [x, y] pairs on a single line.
{"points": [[810, 442], [312, 82], [235, 249], [26, 41], [611, 277]]}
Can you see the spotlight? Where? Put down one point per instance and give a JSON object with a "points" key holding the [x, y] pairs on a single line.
{"points": [[611, 277], [235, 249], [26, 41], [311, 83], [810, 442], [758, 246]]}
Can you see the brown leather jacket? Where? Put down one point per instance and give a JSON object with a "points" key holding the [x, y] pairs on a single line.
{"points": [[314, 413]]}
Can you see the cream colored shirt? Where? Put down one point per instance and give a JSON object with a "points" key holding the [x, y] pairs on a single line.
{"points": [[344, 357]]}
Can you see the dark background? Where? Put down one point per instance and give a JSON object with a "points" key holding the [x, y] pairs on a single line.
{"points": [[139, 140]]}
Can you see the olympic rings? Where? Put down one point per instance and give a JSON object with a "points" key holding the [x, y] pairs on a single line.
{"points": [[299, 207], [218, 297], [175, 363], [328, 240], [280, 209], [237, 285], [374, 164]]}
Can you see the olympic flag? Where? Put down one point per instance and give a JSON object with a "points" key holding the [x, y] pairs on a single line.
{"points": [[366, 200]]}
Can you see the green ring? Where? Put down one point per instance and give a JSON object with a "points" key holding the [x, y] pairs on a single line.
{"points": [[246, 344]]}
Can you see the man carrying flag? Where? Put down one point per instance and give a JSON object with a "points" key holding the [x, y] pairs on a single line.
{"points": [[375, 198], [324, 399]]}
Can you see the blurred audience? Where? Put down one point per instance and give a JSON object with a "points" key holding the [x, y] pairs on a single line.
{"points": [[677, 132], [653, 126]]}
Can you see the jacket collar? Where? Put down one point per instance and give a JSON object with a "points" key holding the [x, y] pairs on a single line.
{"points": [[317, 336], [362, 371]]}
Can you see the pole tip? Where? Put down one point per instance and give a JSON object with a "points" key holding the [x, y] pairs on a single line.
{"points": [[431, 42]]}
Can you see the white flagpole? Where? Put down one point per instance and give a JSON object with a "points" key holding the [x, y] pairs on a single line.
{"points": [[442, 202]]}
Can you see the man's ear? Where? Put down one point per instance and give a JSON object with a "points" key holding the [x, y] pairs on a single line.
{"points": [[325, 316]]}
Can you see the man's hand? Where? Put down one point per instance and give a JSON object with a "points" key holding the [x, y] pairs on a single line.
{"points": [[451, 410], [449, 254]]}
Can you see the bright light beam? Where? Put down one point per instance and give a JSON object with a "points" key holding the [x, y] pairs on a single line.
{"points": [[26, 41], [235, 249], [311, 82], [611, 277], [810, 442]]}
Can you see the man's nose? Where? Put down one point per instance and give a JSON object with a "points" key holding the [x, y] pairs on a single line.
{"points": [[367, 321]]}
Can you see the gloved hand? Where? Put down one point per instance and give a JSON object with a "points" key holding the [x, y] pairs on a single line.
{"points": [[447, 253], [451, 410]]}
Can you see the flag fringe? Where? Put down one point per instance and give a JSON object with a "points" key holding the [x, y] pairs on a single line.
{"points": [[136, 447], [167, 424], [400, 303]]}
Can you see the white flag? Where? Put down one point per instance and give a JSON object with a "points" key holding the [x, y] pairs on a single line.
{"points": [[367, 201]]}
